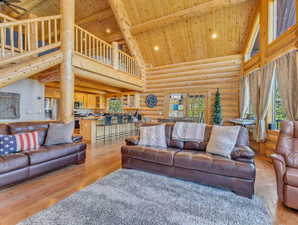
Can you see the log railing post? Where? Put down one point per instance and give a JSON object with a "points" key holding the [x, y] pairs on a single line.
{"points": [[67, 8], [115, 55]]}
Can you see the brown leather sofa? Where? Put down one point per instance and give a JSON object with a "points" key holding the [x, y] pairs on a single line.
{"points": [[286, 164], [189, 161], [21, 166]]}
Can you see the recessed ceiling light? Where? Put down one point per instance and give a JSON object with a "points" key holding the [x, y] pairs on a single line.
{"points": [[108, 30], [156, 48], [214, 36]]}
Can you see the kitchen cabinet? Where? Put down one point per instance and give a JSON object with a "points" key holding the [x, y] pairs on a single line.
{"points": [[131, 100]]}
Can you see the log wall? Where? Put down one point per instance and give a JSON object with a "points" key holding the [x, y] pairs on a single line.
{"points": [[202, 76]]}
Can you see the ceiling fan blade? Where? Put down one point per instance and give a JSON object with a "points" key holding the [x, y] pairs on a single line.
{"points": [[16, 6], [14, 1]]}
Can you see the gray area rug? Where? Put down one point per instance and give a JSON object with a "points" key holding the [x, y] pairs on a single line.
{"points": [[130, 197]]}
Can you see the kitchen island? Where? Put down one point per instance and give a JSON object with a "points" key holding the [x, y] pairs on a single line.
{"points": [[96, 129]]}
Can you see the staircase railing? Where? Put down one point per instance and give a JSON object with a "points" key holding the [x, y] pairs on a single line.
{"points": [[29, 37]]}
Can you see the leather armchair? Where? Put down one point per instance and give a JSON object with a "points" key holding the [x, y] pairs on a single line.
{"points": [[285, 163]]}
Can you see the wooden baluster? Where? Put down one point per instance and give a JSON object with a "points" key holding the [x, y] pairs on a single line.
{"points": [[81, 41], [50, 31], [97, 50], [93, 43], [28, 36], [55, 31], [36, 34], [12, 40], [2, 41], [76, 39], [42, 34], [89, 45], [20, 39]]}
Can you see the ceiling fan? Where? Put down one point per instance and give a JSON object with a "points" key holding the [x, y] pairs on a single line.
{"points": [[10, 4]]}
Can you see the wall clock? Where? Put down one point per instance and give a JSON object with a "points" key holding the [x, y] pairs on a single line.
{"points": [[151, 101]]}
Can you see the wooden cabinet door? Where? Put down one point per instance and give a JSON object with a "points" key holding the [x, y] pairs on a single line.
{"points": [[91, 101]]}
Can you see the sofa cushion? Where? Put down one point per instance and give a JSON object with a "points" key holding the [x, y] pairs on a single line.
{"points": [[60, 133], [214, 164], [194, 145], [156, 155], [46, 153], [170, 142], [223, 140], [153, 136], [13, 162], [41, 128], [3, 129], [291, 177]]}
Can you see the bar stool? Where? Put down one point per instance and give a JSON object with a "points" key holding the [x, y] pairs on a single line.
{"points": [[108, 128], [120, 123]]}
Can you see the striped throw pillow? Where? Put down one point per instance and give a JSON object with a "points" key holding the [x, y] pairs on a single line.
{"points": [[27, 141], [18, 143]]}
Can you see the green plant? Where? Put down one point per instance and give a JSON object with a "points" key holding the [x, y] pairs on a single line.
{"points": [[217, 117]]}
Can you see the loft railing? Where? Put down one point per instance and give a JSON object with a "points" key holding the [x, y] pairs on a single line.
{"points": [[29, 37], [88, 45]]}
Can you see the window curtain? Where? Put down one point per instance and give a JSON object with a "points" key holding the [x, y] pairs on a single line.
{"points": [[244, 96], [266, 84], [287, 77], [253, 83]]}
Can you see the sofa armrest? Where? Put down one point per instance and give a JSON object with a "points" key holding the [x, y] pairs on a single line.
{"points": [[279, 165], [134, 140], [243, 153], [77, 139]]}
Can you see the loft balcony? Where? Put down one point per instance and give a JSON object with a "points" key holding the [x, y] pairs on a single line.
{"points": [[33, 45]]}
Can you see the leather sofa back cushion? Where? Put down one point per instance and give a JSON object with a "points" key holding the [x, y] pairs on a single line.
{"points": [[3, 129], [41, 128]]}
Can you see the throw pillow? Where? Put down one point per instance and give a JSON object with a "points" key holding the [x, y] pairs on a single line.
{"points": [[223, 140], [18, 143], [153, 136], [60, 133]]}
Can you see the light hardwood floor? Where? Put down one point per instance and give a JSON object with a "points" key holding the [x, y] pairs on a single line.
{"points": [[25, 199]]}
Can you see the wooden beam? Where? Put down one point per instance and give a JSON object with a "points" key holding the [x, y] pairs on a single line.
{"points": [[253, 27], [121, 16], [26, 69], [197, 10], [96, 85], [264, 8], [99, 16], [78, 88], [67, 8]]}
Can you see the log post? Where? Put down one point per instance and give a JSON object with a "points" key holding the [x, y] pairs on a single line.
{"points": [[67, 8], [115, 46]]}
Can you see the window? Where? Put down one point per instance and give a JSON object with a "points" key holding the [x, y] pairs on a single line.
{"points": [[176, 105], [282, 16], [115, 105], [196, 108], [278, 113], [253, 45]]}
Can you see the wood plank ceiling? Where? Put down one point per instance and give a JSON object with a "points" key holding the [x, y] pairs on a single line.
{"points": [[188, 38], [183, 33]]}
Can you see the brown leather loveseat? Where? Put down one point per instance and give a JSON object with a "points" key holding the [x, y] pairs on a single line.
{"points": [[189, 160], [21, 166], [285, 163]]}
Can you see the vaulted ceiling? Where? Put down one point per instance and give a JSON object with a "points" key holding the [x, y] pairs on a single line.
{"points": [[182, 29]]}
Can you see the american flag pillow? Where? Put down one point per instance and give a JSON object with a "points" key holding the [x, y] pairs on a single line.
{"points": [[18, 143]]}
